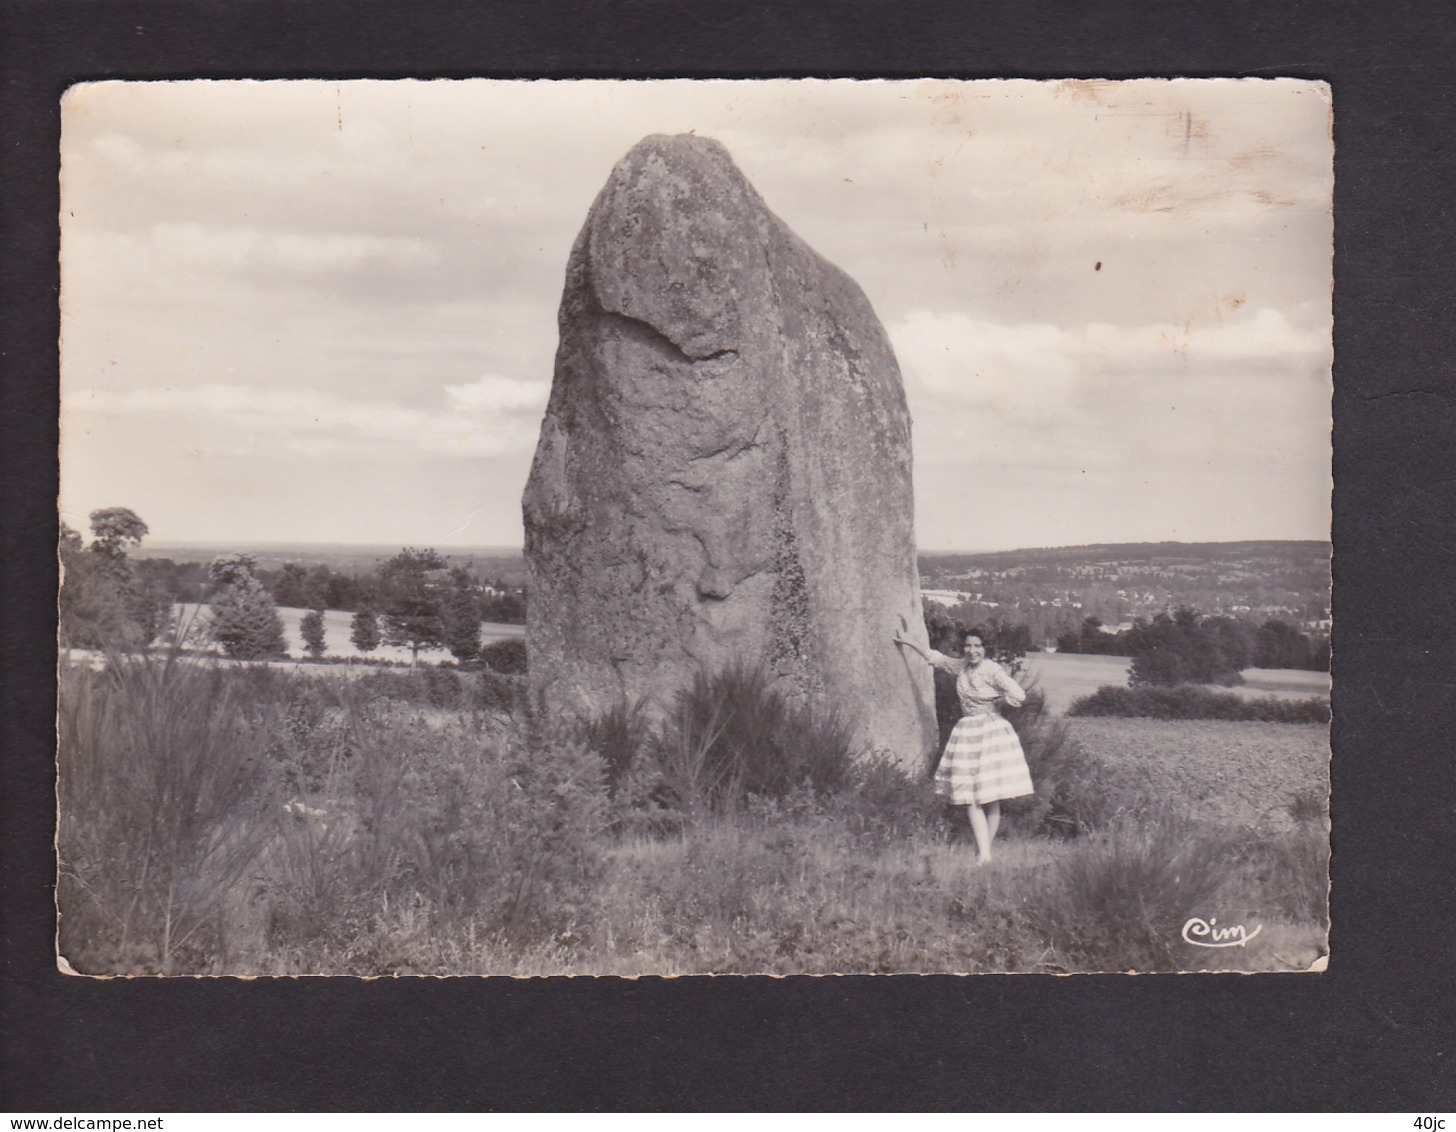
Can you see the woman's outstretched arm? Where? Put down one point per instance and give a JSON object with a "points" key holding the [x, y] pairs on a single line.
{"points": [[925, 656]]}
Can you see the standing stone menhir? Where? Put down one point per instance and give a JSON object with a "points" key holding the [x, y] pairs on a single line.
{"points": [[724, 466]]}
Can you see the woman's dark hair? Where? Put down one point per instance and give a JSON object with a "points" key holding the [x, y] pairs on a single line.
{"points": [[979, 632]]}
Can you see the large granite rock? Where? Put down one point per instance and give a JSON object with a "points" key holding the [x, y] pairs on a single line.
{"points": [[724, 466]]}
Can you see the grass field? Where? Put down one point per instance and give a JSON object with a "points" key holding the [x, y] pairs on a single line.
{"points": [[338, 624], [1066, 677], [1240, 775], [222, 819]]}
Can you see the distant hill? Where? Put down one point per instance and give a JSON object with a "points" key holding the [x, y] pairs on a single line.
{"points": [[1053, 589], [1167, 552]]}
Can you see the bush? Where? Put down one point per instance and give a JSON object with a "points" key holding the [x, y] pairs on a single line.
{"points": [[1120, 901], [500, 693], [618, 735], [245, 621], [431, 831], [885, 804], [732, 734], [1188, 701], [507, 656], [1071, 796]]}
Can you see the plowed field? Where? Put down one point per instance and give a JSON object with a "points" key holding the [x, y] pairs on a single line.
{"points": [[1241, 774]]}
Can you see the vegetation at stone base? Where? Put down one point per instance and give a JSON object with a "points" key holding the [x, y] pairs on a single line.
{"points": [[221, 818], [1188, 701], [734, 734], [103, 601]]}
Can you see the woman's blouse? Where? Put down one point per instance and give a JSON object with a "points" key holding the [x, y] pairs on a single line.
{"points": [[979, 688]]}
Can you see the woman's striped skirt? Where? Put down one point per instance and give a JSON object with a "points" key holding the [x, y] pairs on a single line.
{"points": [[983, 762]]}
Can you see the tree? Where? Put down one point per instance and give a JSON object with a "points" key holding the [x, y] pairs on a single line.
{"points": [[245, 621], [412, 586], [460, 616], [364, 631], [312, 627], [229, 569], [316, 588], [1280, 645], [289, 587], [1184, 649], [102, 602], [115, 528], [506, 608]]}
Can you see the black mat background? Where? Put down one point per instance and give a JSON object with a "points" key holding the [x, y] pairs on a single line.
{"points": [[1374, 1033]]}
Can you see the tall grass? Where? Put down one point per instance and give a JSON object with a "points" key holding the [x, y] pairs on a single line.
{"points": [[1119, 902], [161, 786], [732, 734], [218, 818]]}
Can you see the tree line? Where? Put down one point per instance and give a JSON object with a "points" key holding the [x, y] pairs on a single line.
{"points": [[295, 586], [1208, 648], [414, 600]]}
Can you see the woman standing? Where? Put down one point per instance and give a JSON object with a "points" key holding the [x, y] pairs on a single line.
{"points": [[983, 762]]}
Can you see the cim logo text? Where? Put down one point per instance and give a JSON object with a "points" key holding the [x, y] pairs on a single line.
{"points": [[1206, 933]]}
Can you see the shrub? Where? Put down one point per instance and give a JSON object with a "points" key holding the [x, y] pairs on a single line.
{"points": [[245, 621], [507, 656], [429, 685], [1071, 795], [500, 693], [1119, 901], [1310, 806], [618, 735], [1188, 701], [432, 832], [1292, 872], [885, 803], [732, 733]]}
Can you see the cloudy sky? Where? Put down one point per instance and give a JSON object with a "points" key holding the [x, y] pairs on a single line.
{"points": [[319, 312]]}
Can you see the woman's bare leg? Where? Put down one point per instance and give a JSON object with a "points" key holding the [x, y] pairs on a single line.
{"points": [[993, 820], [977, 819]]}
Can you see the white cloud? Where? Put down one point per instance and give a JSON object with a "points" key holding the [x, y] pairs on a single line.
{"points": [[1022, 370], [1033, 369], [352, 268], [490, 417], [498, 394], [245, 249]]}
